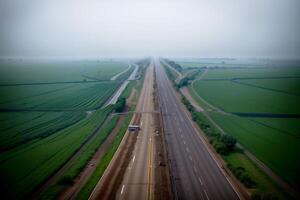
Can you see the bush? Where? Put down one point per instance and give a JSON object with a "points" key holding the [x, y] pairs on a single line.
{"points": [[194, 116], [183, 82], [120, 105], [220, 147], [241, 174], [229, 141]]}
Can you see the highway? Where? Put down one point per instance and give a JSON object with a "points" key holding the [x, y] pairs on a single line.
{"points": [[137, 181], [195, 173]]}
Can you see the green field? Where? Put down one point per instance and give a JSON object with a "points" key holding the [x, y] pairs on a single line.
{"points": [[30, 71], [85, 96], [273, 140], [234, 97], [48, 109], [233, 63]]}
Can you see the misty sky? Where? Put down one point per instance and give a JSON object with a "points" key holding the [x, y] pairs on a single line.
{"points": [[194, 28]]}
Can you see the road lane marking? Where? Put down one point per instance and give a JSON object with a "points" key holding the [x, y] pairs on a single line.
{"points": [[195, 168], [184, 142], [141, 123], [206, 194], [181, 136], [190, 157], [133, 158], [200, 180], [122, 189], [187, 149]]}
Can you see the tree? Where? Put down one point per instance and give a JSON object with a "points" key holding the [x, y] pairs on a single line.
{"points": [[120, 105], [229, 141]]}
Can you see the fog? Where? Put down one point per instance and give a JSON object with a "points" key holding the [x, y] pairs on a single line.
{"points": [[186, 28]]}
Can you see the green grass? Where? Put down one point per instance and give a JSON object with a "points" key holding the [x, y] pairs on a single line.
{"points": [[263, 184], [42, 125], [89, 186], [233, 97], [88, 152], [20, 127], [86, 96], [275, 141], [41, 157], [275, 146], [34, 71], [290, 86], [262, 72], [82, 160]]}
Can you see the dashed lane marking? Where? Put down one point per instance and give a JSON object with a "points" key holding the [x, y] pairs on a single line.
{"points": [[200, 180], [122, 189], [206, 195]]}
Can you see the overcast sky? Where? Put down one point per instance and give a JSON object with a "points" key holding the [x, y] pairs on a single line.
{"points": [[195, 28]]}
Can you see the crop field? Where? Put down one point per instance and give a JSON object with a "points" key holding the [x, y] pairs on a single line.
{"points": [[230, 63], [85, 96], [263, 112], [18, 72], [47, 111]]}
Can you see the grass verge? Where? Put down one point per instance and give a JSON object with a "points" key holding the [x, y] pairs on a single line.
{"points": [[96, 176]]}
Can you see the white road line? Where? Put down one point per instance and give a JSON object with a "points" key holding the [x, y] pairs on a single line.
{"points": [[133, 158], [200, 180], [206, 194], [187, 149], [181, 136], [190, 157], [122, 189], [141, 123], [195, 168], [184, 142]]}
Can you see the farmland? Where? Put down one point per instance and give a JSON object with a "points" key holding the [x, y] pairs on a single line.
{"points": [[231, 63], [271, 96], [48, 110], [256, 103]]}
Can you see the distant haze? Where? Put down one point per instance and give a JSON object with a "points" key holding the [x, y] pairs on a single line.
{"points": [[192, 28]]}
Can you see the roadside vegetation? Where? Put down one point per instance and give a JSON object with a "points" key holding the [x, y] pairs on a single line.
{"points": [[267, 120], [247, 130], [102, 165], [48, 111]]}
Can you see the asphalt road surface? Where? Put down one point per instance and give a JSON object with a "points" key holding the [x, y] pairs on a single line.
{"points": [[195, 174], [138, 179]]}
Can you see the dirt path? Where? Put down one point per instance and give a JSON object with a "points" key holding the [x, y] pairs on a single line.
{"points": [[86, 173], [58, 174], [80, 181]]}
